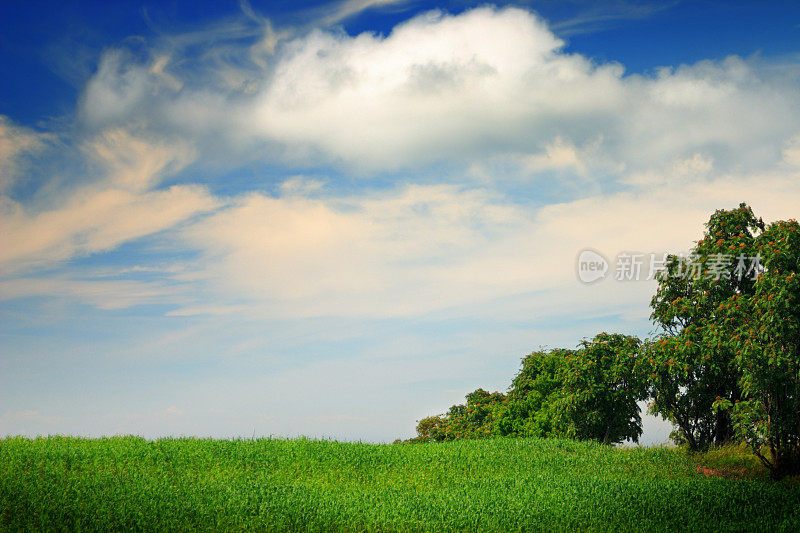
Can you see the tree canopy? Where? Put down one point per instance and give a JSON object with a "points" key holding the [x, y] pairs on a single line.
{"points": [[763, 330], [587, 393], [689, 369]]}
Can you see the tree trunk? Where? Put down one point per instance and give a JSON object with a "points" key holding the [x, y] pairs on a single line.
{"points": [[608, 433]]}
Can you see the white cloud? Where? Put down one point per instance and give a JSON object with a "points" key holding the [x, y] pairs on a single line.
{"points": [[15, 141], [438, 86], [135, 163], [391, 254], [158, 69], [93, 221], [99, 215], [456, 89], [563, 156], [419, 249]]}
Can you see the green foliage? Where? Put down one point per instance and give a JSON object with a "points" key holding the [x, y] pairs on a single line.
{"points": [[763, 329], [430, 429], [129, 484], [734, 460], [690, 367], [535, 397], [473, 420], [729, 361], [602, 385], [589, 394]]}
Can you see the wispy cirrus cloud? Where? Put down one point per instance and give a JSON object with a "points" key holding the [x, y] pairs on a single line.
{"points": [[600, 16], [16, 143], [99, 214], [348, 8]]}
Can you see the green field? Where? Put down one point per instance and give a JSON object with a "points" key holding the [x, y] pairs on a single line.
{"points": [[128, 483]]}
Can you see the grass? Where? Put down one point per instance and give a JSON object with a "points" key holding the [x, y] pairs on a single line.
{"points": [[735, 461], [128, 483]]}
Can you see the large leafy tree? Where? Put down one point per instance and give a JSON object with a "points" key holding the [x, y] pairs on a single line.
{"points": [[764, 330], [602, 386], [535, 396], [590, 393], [690, 368]]}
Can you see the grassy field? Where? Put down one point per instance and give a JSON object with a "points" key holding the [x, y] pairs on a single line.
{"points": [[128, 483]]}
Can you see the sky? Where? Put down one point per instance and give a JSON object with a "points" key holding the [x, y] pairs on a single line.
{"points": [[332, 219]]}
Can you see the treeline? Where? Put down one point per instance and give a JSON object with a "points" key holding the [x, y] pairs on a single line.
{"points": [[725, 367]]}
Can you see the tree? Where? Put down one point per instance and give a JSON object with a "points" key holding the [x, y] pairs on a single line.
{"points": [[764, 330], [430, 429], [536, 391], [589, 394], [690, 369], [475, 419], [602, 387]]}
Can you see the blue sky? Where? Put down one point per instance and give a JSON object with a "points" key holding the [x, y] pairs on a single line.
{"points": [[238, 219]]}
